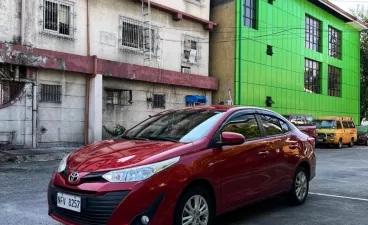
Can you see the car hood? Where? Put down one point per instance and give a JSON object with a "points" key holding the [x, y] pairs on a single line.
{"points": [[116, 154]]}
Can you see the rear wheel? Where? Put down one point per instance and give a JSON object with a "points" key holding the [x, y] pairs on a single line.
{"points": [[351, 144], [339, 145], [299, 192], [195, 207]]}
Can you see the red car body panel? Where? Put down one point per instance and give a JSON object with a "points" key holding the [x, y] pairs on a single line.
{"points": [[239, 175]]}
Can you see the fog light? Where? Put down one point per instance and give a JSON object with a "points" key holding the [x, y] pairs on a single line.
{"points": [[145, 220]]}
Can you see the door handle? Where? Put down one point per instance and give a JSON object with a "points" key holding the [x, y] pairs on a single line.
{"points": [[263, 153]]}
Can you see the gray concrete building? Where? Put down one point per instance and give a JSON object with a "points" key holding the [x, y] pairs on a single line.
{"points": [[68, 68]]}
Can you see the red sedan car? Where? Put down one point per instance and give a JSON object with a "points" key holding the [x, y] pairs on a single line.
{"points": [[184, 167]]}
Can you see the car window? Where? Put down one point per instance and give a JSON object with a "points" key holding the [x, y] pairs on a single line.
{"points": [[180, 125], [245, 125], [339, 125], [310, 120], [345, 124], [271, 125], [351, 124], [298, 120], [285, 126]]}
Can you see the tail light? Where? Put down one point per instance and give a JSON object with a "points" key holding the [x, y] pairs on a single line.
{"points": [[312, 141]]}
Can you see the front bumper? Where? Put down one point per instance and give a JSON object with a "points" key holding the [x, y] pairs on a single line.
{"points": [[114, 204]]}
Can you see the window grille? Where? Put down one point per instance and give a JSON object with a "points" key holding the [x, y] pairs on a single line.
{"points": [[118, 97], [334, 43], [131, 35], [312, 33], [51, 93], [191, 50], [158, 101], [312, 76], [12, 82], [58, 18], [334, 81]]}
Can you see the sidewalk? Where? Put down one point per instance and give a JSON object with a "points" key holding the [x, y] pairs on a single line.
{"points": [[40, 154]]}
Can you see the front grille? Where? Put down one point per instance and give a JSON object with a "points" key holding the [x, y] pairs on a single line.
{"points": [[321, 136], [95, 210]]}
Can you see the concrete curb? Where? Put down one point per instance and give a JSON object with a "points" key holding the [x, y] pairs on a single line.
{"points": [[32, 155], [33, 158]]}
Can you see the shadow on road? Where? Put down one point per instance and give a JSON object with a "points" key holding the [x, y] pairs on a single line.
{"points": [[250, 213]]}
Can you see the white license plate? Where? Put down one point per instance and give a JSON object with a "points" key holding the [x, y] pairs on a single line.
{"points": [[320, 140], [69, 202]]}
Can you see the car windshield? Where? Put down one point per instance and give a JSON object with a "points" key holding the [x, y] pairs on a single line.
{"points": [[362, 129], [176, 126], [326, 124]]}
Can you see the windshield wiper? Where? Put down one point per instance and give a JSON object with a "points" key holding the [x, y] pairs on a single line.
{"points": [[162, 139]]}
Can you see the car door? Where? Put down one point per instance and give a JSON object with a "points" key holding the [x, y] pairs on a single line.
{"points": [[353, 131], [241, 168], [346, 132], [279, 141]]}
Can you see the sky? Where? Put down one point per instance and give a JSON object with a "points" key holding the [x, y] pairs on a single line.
{"points": [[349, 4]]}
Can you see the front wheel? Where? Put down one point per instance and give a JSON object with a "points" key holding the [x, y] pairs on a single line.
{"points": [[351, 144], [195, 207], [339, 145], [299, 193]]}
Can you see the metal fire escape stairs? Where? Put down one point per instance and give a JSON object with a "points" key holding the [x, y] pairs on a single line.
{"points": [[147, 32]]}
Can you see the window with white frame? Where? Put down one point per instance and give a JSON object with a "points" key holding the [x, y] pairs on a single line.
{"points": [[191, 50], [58, 18], [135, 35]]}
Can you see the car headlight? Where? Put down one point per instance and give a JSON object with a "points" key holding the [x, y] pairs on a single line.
{"points": [[139, 173], [62, 164]]}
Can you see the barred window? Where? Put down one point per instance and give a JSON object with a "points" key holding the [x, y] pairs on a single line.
{"points": [[334, 81], [334, 43], [51, 93], [118, 97], [312, 33], [158, 101], [191, 50], [133, 33], [312, 76], [250, 13], [58, 18]]}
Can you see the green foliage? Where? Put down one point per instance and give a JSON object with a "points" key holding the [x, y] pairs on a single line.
{"points": [[117, 131], [362, 13]]}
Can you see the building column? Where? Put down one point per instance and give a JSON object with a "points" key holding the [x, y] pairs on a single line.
{"points": [[95, 110]]}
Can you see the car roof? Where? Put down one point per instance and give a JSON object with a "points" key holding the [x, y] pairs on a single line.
{"points": [[335, 118]]}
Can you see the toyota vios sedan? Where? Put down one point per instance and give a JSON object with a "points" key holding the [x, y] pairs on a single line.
{"points": [[184, 167]]}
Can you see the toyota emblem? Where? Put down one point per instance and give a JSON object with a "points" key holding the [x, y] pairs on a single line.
{"points": [[73, 177]]}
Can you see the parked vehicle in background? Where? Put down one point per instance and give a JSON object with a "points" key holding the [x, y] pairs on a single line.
{"points": [[362, 135], [305, 123], [184, 167], [334, 130]]}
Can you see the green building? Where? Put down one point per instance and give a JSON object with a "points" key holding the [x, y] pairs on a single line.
{"points": [[302, 55]]}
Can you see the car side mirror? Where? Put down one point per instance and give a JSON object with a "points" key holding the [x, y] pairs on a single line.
{"points": [[231, 138]]}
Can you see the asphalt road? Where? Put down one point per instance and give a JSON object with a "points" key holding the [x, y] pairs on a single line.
{"points": [[338, 195]]}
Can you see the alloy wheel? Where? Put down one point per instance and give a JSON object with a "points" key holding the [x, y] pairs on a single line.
{"points": [[196, 211], [301, 185]]}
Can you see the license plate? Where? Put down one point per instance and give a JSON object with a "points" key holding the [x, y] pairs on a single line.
{"points": [[320, 140], [69, 202]]}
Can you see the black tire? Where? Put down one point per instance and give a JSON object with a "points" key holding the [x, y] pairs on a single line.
{"points": [[292, 196], [366, 143], [188, 194], [339, 145], [351, 144]]}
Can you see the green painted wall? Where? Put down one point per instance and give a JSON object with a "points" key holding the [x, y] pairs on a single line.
{"points": [[281, 76]]}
